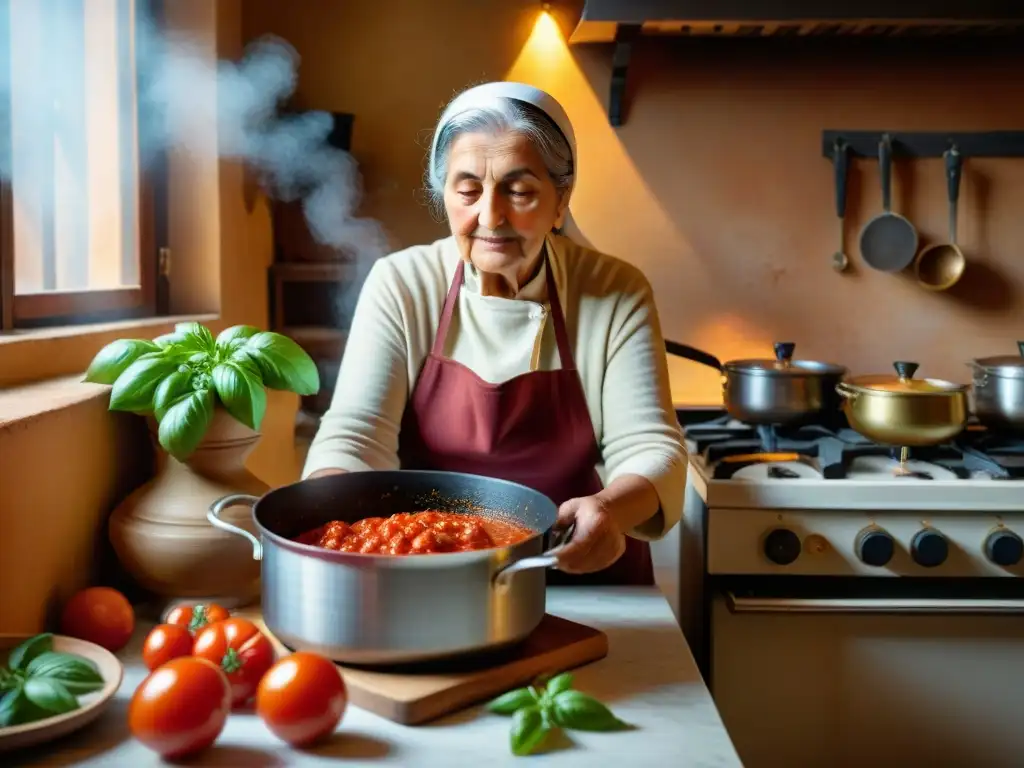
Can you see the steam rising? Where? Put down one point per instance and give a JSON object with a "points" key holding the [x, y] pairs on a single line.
{"points": [[289, 153]]}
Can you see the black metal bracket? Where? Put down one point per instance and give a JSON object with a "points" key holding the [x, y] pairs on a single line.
{"points": [[927, 144], [624, 37]]}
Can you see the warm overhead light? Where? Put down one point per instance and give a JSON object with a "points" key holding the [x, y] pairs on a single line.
{"points": [[545, 6]]}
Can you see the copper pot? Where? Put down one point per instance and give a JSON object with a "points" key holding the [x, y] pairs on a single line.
{"points": [[904, 411]]}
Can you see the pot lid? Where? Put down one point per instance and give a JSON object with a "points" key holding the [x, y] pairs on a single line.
{"points": [[905, 383], [784, 364], [1010, 366]]}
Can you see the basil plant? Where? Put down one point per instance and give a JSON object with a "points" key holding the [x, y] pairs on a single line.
{"points": [[182, 376]]}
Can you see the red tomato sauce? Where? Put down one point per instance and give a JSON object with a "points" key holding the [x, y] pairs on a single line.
{"points": [[416, 533]]}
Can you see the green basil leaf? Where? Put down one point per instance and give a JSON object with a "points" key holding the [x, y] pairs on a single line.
{"points": [[247, 360], [184, 424], [77, 674], [111, 361], [558, 683], [25, 652], [8, 679], [169, 340], [283, 363], [187, 338], [577, 710], [16, 708], [508, 703], [134, 389], [243, 395], [528, 730], [171, 390], [227, 338], [8, 704], [199, 332], [49, 694]]}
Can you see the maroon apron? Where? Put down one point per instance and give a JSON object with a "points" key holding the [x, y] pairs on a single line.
{"points": [[534, 429]]}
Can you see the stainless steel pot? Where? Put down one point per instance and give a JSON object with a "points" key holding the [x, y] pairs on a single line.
{"points": [[903, 411], [373, 609], [780, 391], [999, 390]]}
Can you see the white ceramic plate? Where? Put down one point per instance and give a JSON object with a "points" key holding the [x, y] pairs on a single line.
{"points": [[92, 705]]}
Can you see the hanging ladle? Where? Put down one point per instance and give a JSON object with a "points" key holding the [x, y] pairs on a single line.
{"points": [[939, 266], [841, 157]]}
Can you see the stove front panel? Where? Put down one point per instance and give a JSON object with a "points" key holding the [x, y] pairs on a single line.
{"points": [[843, 543]]}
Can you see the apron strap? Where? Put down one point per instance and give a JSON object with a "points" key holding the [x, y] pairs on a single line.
{"points": [[561, 336], [449, 307]]}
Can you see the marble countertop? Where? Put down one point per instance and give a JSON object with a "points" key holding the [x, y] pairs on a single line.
{"points": [[649, 679]]}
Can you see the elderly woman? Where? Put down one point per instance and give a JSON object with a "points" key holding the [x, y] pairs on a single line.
{"points": [[509, 351]]}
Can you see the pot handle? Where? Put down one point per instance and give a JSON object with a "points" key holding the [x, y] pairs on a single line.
{"points": [[980, 374], [693, 354], [845, 390], [547, 559], [234, 500]]}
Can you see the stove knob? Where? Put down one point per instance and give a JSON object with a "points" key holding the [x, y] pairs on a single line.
{"points": [[928, 548], [874, 547], [782, 546], [1004, 548]]}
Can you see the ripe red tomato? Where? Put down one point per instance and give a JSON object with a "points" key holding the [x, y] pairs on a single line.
{"points": [[165, 642], [181, 708], [302, 698], [238, 647], [195, 617], [100, 615]]}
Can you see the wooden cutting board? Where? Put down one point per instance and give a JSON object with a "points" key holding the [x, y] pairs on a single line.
{"points": [[431, 691]]}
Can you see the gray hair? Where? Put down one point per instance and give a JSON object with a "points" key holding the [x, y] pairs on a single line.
{"points": [[505, 115]]}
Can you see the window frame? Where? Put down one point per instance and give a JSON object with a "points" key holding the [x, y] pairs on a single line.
{"points": [[54, 308]]}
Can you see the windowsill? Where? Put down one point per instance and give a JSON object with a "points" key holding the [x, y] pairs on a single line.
{"points": [[41, 354], [26, 402], [122, 327]]}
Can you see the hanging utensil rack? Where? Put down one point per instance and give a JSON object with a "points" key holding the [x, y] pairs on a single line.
{"points": [[922, 144]]}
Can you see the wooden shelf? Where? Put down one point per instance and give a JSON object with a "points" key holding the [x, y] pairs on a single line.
{"points": [[318, 341], [313, 271]]}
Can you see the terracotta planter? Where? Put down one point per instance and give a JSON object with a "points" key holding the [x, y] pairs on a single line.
{"points": [[161, 534]]}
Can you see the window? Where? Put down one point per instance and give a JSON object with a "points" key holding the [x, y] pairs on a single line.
{"points": [[80, 192]]}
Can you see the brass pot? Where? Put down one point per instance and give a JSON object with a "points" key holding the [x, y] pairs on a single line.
{"points": [[903, 411]]}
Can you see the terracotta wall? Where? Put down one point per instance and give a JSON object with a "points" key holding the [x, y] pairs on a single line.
{"points": [[716, 186]]}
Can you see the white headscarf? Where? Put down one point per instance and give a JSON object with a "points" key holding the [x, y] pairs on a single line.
{"points": [[487, 95]]}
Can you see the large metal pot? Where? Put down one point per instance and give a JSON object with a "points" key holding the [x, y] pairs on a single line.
{"points": [[782, 391], [904, 411], [999, 390], [371, 609]]}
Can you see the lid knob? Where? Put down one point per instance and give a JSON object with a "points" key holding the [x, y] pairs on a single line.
{"points": [[784, 351], [905, 370]]}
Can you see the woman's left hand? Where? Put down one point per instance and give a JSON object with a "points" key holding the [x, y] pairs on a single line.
{"points": [[597, 541]]}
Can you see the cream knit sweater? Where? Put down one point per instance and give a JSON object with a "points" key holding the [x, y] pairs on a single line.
{"points": [[612, 325]]}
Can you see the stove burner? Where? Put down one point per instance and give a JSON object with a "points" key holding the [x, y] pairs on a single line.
{"points": [[729, 446], [982, 451]]}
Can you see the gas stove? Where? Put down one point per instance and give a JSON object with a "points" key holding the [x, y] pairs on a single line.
{"points": [[821, 500], [823, 580], [833, 466]]}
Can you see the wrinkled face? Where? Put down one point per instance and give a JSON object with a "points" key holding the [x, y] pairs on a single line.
{"points": [[500, 202]]}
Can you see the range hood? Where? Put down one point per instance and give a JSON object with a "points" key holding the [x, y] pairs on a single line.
{"points": [[623, 21]]}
